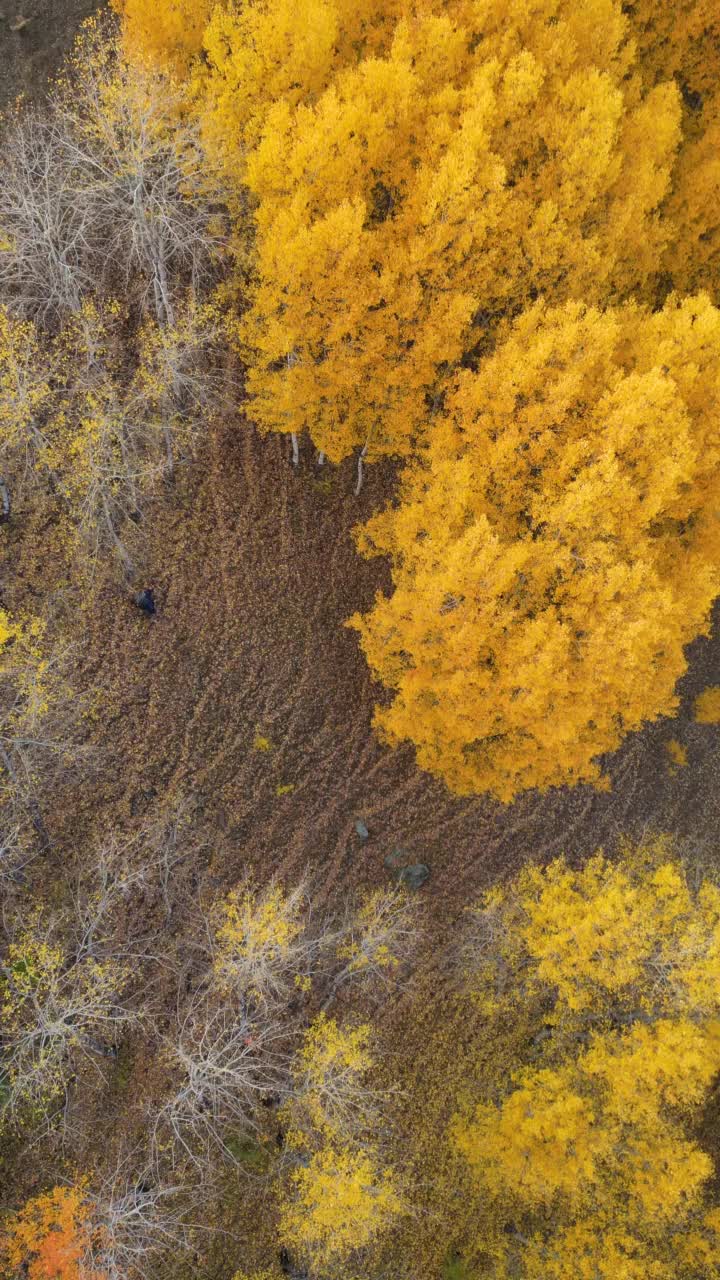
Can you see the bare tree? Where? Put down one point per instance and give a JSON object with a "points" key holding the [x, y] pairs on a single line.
{"points": [[16, 854], [48, 257], [58, 1004], [135, 1218], [107, 188], [225, 1060], [375, 941]]}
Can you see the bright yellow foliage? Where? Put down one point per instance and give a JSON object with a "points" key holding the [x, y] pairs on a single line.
{"points": [[168, 33], [556, 548], [414, 182], [693, 256], [544, 1141], [707, 706], [342, 1202], [618, 936], [587, 1144]]}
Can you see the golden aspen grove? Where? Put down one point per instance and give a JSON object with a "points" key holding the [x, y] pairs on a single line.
{"points": [[359, 651]]}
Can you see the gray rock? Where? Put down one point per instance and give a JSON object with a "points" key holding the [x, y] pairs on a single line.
{"points": [[361, 829]]}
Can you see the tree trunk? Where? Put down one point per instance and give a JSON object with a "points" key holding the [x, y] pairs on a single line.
{"points": [[4, 502], [361, 457], [295, 449]]}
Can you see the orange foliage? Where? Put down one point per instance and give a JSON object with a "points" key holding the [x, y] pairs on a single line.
{"points": [[50, 1238]]}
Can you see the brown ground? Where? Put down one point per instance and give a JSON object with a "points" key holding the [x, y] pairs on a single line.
{"points": [[32, 53], [255, 571]]}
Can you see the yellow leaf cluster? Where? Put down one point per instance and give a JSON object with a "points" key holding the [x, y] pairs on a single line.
{"points": [[707, 706], [555, 548], [260, 947], [342, 1201], [329, 1071], [613, 936], [588, 1145]]}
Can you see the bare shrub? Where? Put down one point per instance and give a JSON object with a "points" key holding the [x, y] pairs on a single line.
{"points": [[107, 191], [134, 1220], [48, 251], [375, 942], [225, 1059], [59, 1002]]}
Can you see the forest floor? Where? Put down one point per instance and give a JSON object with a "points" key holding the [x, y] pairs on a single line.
{"points": [[247, 698], [35, 35]]}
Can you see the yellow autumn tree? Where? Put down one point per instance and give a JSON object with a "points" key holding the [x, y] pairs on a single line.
{"points": [[414, 182], [682, 42], [342, 1197], [555, 549], [588, 1150], [168, 35], [693, 256], [341, 1202]]}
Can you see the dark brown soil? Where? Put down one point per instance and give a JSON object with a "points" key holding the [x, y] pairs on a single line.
{"points": [[31, 51]]}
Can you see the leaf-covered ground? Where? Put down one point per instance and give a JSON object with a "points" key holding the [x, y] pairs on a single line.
{"points": [[247, 696]]}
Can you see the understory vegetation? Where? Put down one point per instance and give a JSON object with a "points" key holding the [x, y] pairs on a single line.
{"points": [[359, 457]]}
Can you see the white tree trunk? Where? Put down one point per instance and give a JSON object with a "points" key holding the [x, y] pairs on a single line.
{"points": [[360, 472], [295, 449]]}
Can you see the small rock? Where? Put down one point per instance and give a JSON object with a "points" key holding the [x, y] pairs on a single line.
{"points": [[414, 876], [361, 829], [145, 600]]}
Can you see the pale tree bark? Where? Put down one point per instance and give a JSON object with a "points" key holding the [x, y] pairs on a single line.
{"points": [[360, 469]]}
